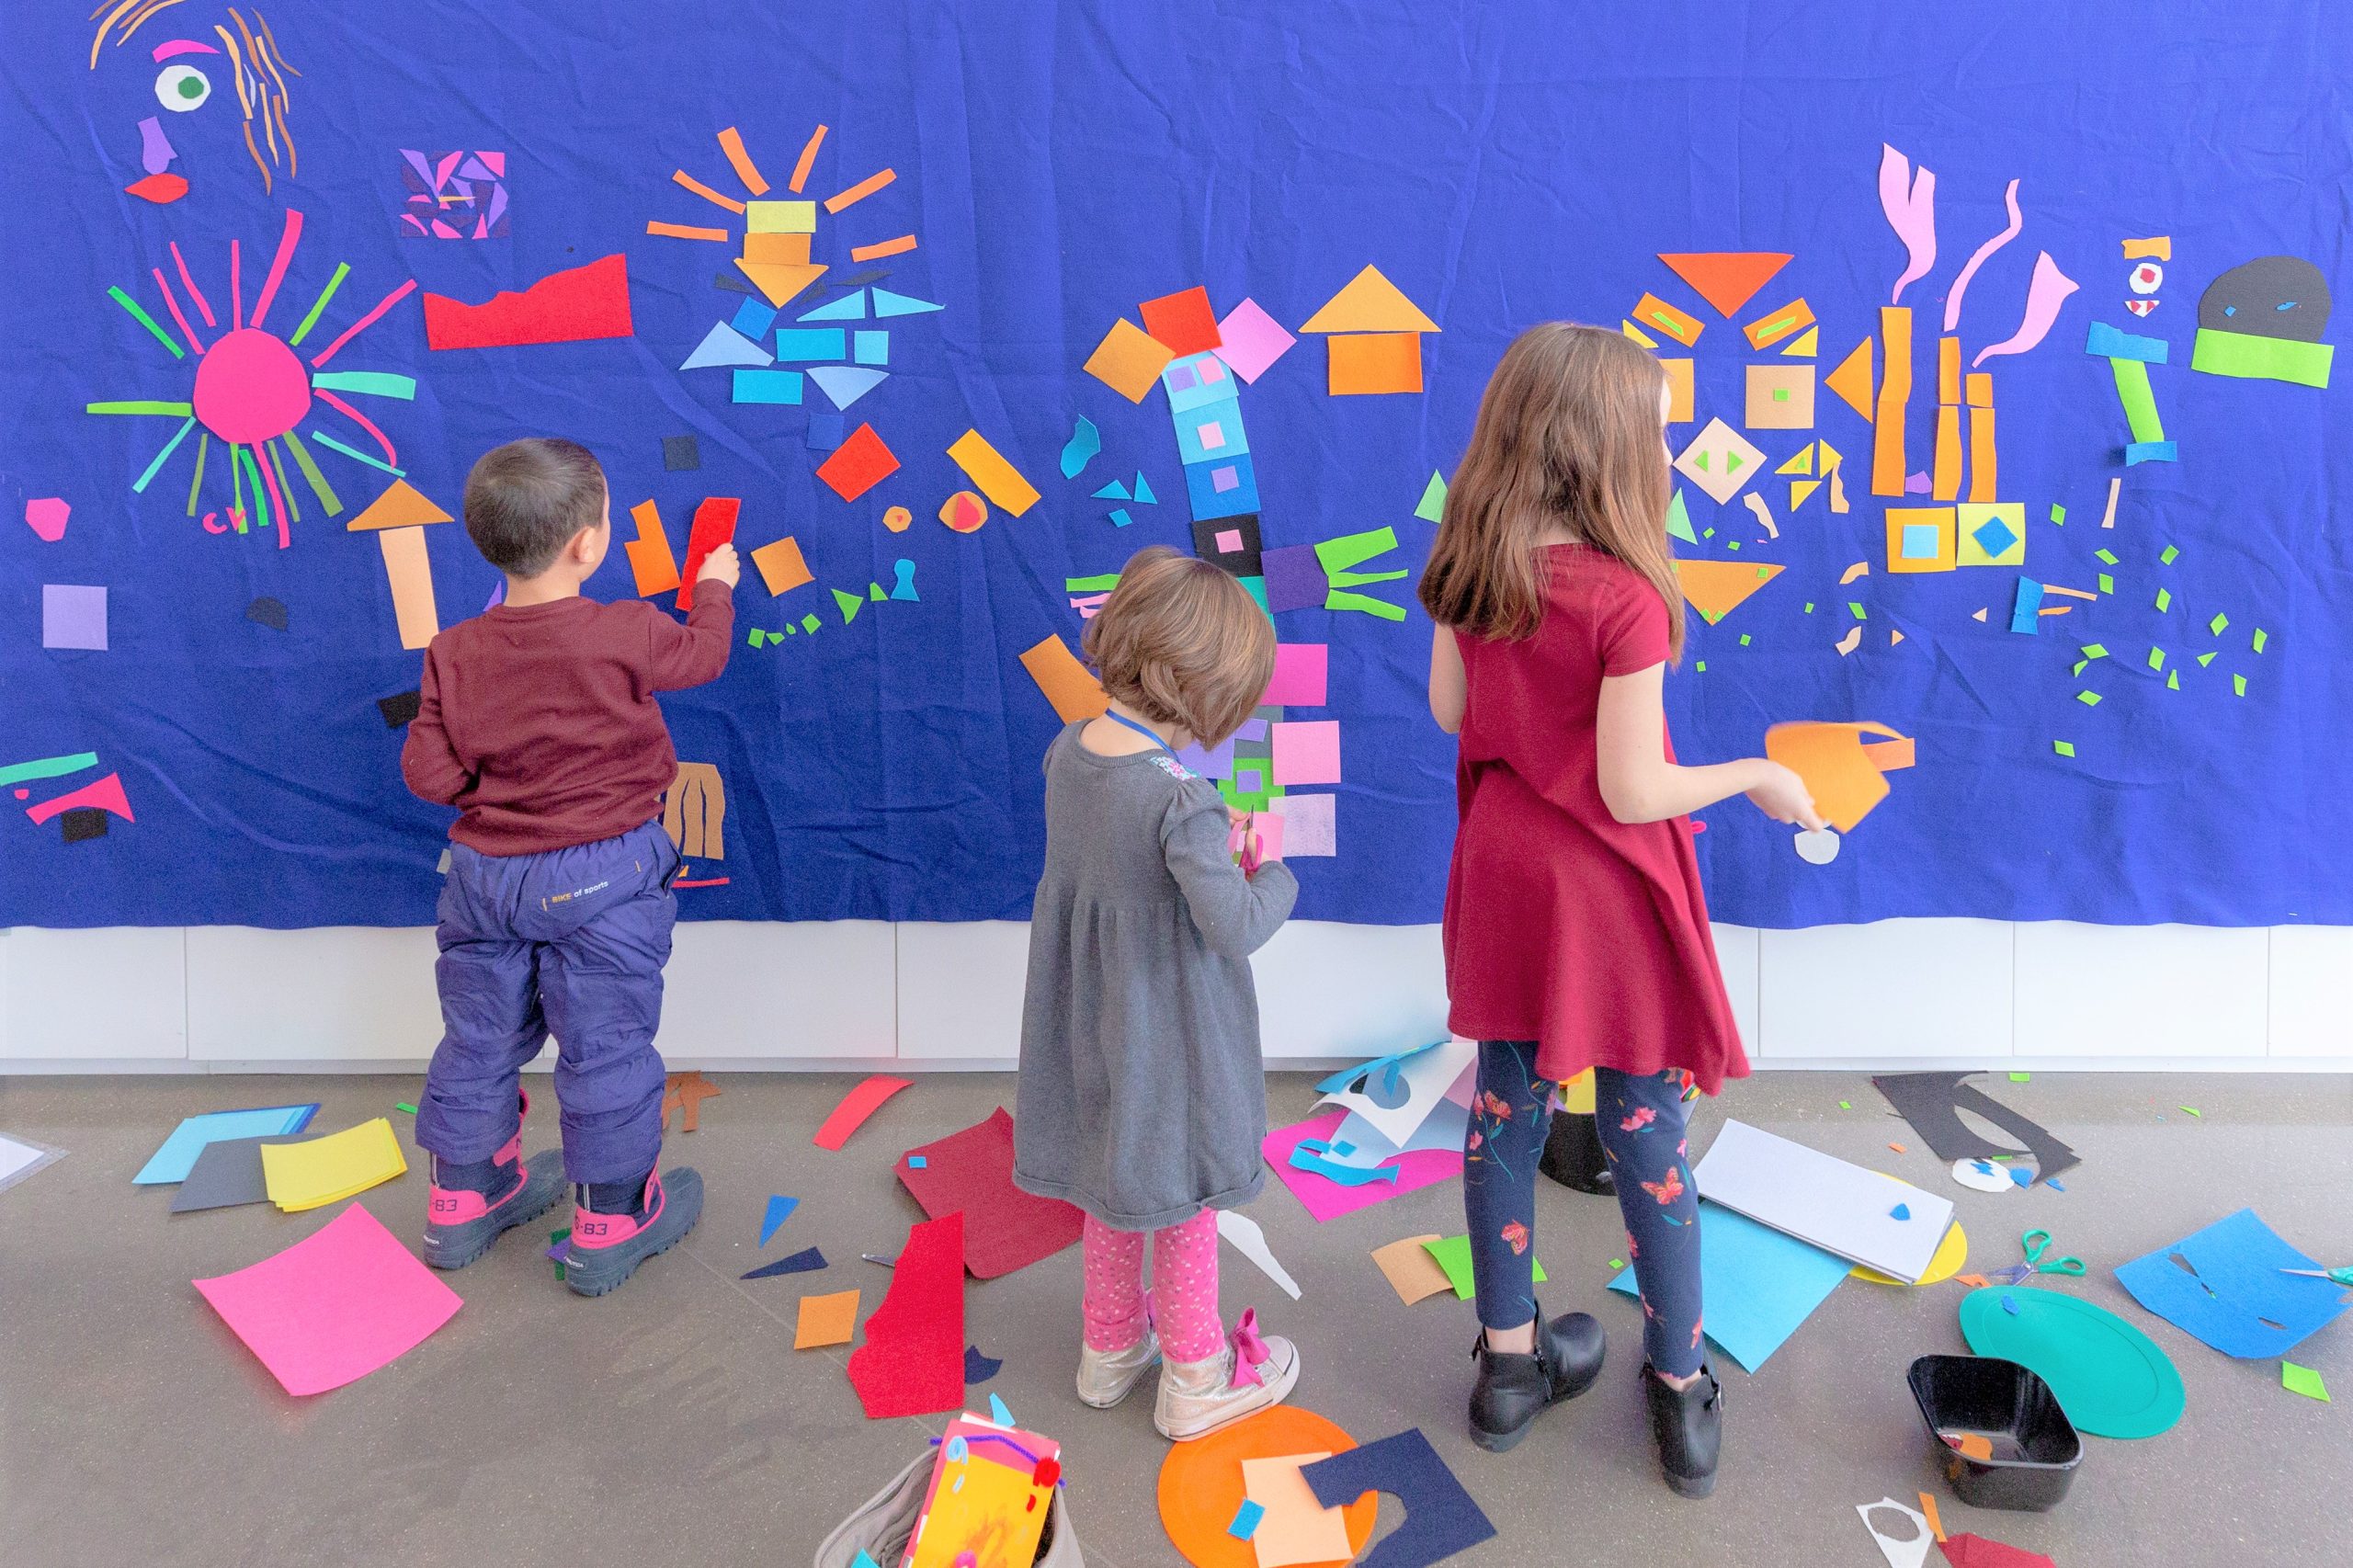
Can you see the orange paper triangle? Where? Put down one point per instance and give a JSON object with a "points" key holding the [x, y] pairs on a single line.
{"points": [[1716, 588], [1370, 303], [1726, 279], [402, 505], [780, 280], [1852, 378]]}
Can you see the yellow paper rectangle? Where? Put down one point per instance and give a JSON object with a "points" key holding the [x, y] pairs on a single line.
{"points": [[1129, 360], [410, 572], [780, 217], [998, 480], [319, 1171], [824, 1319]]}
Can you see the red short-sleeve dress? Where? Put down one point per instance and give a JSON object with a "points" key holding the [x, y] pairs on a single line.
{"points": [[1564, 926]]}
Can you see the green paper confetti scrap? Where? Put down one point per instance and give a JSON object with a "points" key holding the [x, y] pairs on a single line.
{"points": [[2156, 658], [2095, 651], [1101, 585], [2088, 699], [2205, 659], [1856, 610], [2170, 555], [2173, 680], [402, 1105], [1809, 607], [1703, 666], [2261, 637], [2238, 686], [1431, 508], [2079, 668], [1743, 639], [810, 622], [2165, 600], [2106, 583], [1846, 1104], [2021, 1077], [2304, 1380], [1616, 1262], [2064, 748], [2105, 557], [1731, 544], [2191, 1110], [2058, 513], [2220, 624]]}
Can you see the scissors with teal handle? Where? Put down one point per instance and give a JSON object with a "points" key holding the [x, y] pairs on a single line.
{"points": [[2334, 1276], [2037, 1243]]}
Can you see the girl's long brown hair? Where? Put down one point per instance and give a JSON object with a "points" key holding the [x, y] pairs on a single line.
{"points": [[1568, 432]]}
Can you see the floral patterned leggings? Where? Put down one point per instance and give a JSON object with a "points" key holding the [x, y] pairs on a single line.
{"points": [[1641, 1119]]}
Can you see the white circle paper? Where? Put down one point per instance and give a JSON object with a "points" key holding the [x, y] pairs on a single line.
{"points": [[1818, 849], [1986, 1175]]}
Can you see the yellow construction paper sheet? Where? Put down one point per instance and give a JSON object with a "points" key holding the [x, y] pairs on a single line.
{"points": [[319, 1171]]}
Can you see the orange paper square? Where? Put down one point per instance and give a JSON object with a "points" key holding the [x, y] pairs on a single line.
{"points": [[825, 1320], [1367, 362], [1129, 360], [781, 566]]}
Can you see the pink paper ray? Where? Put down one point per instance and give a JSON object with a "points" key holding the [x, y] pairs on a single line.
{"points": [[171, 302], [1977, 259], [2043, 297], [359, 419], [1912, 213], [362, 324], [286, 244], [203, 305]]}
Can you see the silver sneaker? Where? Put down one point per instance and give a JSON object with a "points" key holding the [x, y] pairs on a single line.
{"points": [[1197, 1398], [1107, 1377]]}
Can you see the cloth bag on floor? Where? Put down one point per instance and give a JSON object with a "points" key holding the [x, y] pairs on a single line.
{"points": [[880, 1528]]}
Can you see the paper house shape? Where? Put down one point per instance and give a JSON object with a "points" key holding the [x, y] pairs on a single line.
{"points": [[1373, 336]]}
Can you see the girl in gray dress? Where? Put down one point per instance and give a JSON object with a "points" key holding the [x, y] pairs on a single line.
{"points": [[1142, 1096]]}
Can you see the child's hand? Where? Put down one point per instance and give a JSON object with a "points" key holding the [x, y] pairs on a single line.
{"points": [[1780, 794], [721, 565]]}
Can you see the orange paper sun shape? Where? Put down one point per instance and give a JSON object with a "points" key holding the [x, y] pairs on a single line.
{"points": [[777, 232]]}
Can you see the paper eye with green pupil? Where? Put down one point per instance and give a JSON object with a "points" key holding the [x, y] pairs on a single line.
{"points": [[182, 88]]}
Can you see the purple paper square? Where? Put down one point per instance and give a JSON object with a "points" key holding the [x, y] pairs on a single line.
{"points": [[73, 616], [1214, 763], [1295, 578]]}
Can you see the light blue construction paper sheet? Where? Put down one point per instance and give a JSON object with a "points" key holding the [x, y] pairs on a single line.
{"points": [[1759, 1283], [177, 1156], [2236, 1286]]}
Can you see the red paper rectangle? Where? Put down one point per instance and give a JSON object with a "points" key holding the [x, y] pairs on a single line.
{"points": [[972, 1171], [858, 464], [913, 1361], [714, 525], [857, 1105], [570, 306]]}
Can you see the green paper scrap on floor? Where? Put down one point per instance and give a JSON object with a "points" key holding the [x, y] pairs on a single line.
{"points": [[2302, 1381]]}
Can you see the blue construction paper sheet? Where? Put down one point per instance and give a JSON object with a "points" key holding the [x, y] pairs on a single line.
{"points": [[2232, 1286], [1760, 1283], [1441, 1518], [888, 768], [177, 1156]]}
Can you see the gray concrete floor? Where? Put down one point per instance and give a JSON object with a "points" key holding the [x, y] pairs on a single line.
{"points": [[673, 1423]]}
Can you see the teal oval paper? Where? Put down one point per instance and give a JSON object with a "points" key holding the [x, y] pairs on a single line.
{"points": [[2111, 1379]]}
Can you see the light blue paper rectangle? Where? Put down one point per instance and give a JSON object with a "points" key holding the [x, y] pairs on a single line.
{"points": [[768, 386], [811, 343], [1759, 1284], [177, 1156]]}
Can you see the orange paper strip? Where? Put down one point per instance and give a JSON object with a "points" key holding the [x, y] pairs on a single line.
{"points": [[808, 156], [1650, 310], [731, 143], [2157, 249], [1074, 693], [682, 178], [687, 231], [410, 572], [1945, 468], [859, 191], [1367, 362], [876, 252], [998, 480], [1928, 1511], [1948, 370], [1894, 397], [650, 559], [1984, 463]]}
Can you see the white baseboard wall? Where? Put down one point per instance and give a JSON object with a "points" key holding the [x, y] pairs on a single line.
{"points": [[846, 995]]}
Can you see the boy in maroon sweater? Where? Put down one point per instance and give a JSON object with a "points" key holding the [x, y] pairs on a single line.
{"points": [[538, 722]]}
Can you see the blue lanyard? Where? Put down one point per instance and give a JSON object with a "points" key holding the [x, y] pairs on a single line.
{"points": [[1141, 730]]}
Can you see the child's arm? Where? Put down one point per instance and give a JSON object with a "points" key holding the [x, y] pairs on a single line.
{"points": [[1235, 912], [1448, 687], [1637, 784], [696, 652], [428, 762]]}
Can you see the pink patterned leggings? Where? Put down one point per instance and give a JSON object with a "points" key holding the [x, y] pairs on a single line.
{"points": [[1184, 1288]]}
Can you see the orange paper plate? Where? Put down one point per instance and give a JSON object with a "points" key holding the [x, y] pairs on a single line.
{"points": [[1201, 1483]]}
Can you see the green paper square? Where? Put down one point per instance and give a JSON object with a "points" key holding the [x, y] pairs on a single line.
{"points": [[2304, 1380], [1452, 1254]]}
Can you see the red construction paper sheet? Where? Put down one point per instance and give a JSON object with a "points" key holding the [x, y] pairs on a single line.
{"points": [[913, 1361], [578, 303], [714, 525], [972, 1171], [1967, 1550], [857, 1105]]}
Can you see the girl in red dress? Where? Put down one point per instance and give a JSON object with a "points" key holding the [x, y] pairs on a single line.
{"points": [[1576, 934]]}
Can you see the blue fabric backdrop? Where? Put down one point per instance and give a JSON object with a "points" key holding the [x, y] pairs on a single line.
{"points": [[1502, 163]]}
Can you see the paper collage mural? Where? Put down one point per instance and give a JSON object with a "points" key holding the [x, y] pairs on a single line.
{"points": [[2029, 621]]}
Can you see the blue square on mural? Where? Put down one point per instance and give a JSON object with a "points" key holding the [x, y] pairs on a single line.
{"points": [[873, 347], [1919, 541], [1221, 487], [1195, 380], [1210, 432], [1994, 536]]}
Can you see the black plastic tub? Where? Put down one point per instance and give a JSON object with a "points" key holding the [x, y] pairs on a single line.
{"points": [[2022, 1449]]}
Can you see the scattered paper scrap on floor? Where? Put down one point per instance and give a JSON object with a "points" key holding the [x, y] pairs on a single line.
{"points": [[2224, 1287], [1452, 1256], [978, 1368], [972, 1171], [685, 1092], [1441, 1517], [1410, 1269], [1249, 1239], [173, 1160], [913, 1361], [825, 1320], [1759, 1284], [20, 1158], [1824, 1200], [315, 1172], [2304, 1380], [1966, 1550], [1327, 1199], [333, 1307], [1201, 1484], [1932, 1102], [1902, 1539], [779, 1210], [807, 1260], [856, 1106], [1294, 1529], [228, 1172]]}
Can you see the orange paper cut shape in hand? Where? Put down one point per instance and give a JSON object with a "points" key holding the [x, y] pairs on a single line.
{"points": [[1842, 774]]}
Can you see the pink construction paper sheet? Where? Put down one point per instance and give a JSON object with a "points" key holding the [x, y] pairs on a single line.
{"points": [[1310, 824], [1328, 1200], [1253, 340], [1302, 672], [330, 1310], [1307, 753]]}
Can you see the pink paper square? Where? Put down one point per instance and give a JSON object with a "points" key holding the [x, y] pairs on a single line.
{"points": [[1253, 340], [1228, 541], [332, 1309], [1224, 478], [1268, 826], [1211, 372], [1212, 435], [1309, 824], [1301, 671], [1325, 1199], [1307, 753]]}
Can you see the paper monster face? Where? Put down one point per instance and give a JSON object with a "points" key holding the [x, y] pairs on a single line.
{"points": [[238, 55], [2272, 296]]}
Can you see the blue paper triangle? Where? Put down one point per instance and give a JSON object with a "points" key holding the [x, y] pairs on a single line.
{"points": [[998, 1413], [779, 1209], [845, 384], [850, 307], [1144, 491], [886, 303], [806, 1261], [1115, 491], [723, 345]]}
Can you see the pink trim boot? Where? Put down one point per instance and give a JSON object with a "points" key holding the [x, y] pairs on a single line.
{"points": [[459, 1226], [605, 1249]]}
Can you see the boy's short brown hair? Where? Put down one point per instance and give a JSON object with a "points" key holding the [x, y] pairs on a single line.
{"points": [[1181, 641], [525, 501]]}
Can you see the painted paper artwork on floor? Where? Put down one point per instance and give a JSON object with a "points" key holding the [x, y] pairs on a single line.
{"points": [[2000, 447]]}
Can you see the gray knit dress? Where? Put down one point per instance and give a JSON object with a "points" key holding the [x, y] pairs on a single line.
{"points": [[1143, 1098]]}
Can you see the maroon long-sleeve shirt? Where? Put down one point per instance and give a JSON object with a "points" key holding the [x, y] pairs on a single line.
{"points": [[538, 723]]}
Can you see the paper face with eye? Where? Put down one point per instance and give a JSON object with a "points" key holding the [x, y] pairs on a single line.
{"points": [[1395, 1094]]}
